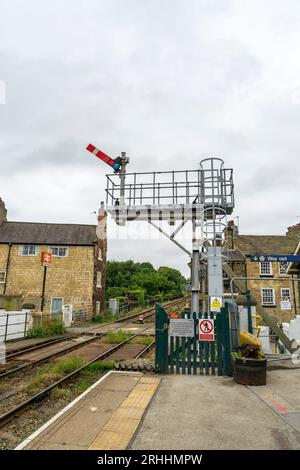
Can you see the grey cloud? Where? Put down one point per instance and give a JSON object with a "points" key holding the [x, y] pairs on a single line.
{"points": [[167, 81]]}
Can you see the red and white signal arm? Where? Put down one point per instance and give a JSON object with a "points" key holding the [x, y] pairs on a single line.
{"points": [[206, 329], [46, 258]]}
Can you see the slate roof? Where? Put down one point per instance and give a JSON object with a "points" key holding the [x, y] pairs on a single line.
{"points": [[266, 244], [233, 255], [47, 234]]}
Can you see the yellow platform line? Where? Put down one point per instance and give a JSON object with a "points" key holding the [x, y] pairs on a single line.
{"points": [[121, 427]]}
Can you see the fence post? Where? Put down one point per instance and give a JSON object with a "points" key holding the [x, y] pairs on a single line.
{"points": [[6, 327], [227, 369], [25, 328], [161, 343], [248, 299]]}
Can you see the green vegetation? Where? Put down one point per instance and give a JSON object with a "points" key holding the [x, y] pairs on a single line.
{"points": [[52, 372], [146, 340], [141, 282], [115, 337], [47, 328], [96, 367], [86, 379]]}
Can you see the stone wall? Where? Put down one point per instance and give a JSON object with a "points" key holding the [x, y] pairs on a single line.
{"points": [[71, 277], [269, 282]]}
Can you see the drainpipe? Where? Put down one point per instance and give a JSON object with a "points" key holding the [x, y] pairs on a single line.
{"points": [[298, 282], [294, 294], [7, 267]]}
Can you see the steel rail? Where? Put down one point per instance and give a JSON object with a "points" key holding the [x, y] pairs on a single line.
{"points": [[18, 352], [79, 345], [9, 415], [51, 356]]}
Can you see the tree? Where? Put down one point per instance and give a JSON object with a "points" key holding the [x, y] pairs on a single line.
{"points": [[125, 276]]}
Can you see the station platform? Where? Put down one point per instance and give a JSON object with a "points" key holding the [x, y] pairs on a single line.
{"points": [[104, 417]]}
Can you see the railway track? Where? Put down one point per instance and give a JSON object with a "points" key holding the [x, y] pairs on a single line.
{"points": [[148, 313], [21, 407]]}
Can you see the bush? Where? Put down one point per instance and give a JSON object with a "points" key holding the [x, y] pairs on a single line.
{"points": [[47, 328]]}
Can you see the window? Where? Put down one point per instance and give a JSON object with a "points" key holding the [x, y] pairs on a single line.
{"points": [[58, 251], [267, 296], [28, 250], [99, 255], [265, 268], [99, 284], [285, 294], [56, 305], [2, 277], [282, 268]]}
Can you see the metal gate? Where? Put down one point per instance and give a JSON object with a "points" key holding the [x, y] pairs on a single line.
{"points": [[189, 355]]}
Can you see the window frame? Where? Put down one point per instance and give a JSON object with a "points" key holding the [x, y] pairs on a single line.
{"points": [[99, 274], [281, 296], [58, 247], [62, 304], [265, 274], [279, 270], [264, 304], [4, 278], [21, 249]]}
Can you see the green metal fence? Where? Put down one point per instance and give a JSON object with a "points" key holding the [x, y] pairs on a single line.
{"points": [[189, 355]]}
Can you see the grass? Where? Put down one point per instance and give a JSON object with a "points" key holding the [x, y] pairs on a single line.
{"points": [[115, 337], [52, 372], [86, 379], [47, 328], [146, 340]]}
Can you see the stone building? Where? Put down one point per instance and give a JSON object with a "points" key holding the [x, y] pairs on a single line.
{"points": [[277, 296], [76, 275]]}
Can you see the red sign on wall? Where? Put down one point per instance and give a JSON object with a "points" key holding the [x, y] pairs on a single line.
{"points": [[206, 330], [46, 258]]}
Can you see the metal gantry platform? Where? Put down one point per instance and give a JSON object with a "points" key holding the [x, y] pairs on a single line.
{"points": [[204, 196], [170, 195]]}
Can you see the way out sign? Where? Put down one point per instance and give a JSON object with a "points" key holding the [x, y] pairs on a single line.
{"points": [[206, 330]]}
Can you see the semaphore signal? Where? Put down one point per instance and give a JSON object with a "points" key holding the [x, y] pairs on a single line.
{"points": [[115, 164]]}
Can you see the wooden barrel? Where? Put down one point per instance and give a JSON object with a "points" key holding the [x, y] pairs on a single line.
{"points": [[250, 371]]}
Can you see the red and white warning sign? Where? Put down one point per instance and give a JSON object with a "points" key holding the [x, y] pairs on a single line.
{"points": [[206, 330]]}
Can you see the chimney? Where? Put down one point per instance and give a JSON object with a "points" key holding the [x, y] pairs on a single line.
{"points": [[293, 230], [231, 234], [3, 212]]}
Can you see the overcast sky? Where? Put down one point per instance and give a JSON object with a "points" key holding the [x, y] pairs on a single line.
{"points": [[168, 81]]}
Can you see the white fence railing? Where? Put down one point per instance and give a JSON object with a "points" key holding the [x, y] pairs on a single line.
{"points": [[14, 325]]}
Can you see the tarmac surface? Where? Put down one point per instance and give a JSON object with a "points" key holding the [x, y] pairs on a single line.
{"points": [[205, 412]]}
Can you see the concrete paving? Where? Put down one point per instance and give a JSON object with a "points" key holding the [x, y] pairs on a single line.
{"points": [[104, 417], [204, 412]]}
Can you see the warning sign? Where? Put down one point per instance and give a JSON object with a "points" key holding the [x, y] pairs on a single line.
{"points": [[216, 303], [206, 330]]}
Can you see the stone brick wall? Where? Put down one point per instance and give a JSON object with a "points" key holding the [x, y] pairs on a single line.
{"points": [[71, 277], [269, 282]]}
